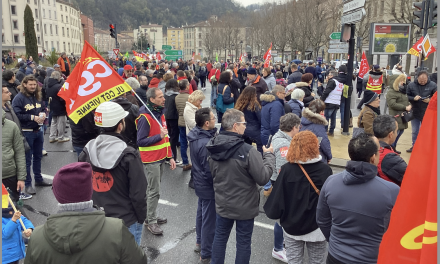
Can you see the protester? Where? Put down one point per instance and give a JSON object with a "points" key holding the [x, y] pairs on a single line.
{"points": [[57, 107], [279, 79], [236, 168], [21, 73], [172, 116], [64, 63], [269, 79], [10, 81], [296, 103], [27, 107], [203, 73], [391, 166], [242, 75], [248, 104], [162, 82], [192, 81], [306, 81], [354, 206], [295, 196], [255, 80], [203, 182], [369, 112], [192, 105], [225, 97], [7, 107], [332, 96], [313, 120], [87, 234], [271, 112], [181, 100], [129, 134], [138, 71], [234, 83], [213, 77], [142, 90], [154, 148], [397, 102], [419, 94], [128, 72]]}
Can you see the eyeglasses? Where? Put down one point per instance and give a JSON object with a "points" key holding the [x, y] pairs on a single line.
{"points": [[213, 118], [244, 123]]}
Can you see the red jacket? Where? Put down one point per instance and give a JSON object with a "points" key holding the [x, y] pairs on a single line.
{"points": [[212, 72], [209, 66]]}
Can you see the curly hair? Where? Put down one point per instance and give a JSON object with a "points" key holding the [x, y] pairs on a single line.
{"points": [[303, 147], [248, 98]]}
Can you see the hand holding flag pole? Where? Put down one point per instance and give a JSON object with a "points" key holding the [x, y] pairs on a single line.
{"points": [[8, 199]]}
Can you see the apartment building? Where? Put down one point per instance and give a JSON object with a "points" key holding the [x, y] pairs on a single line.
{"points": [[125, 42], [175, 38], [71, 35], [153, 32], [49, 25], [87, 27], [103, 41]]}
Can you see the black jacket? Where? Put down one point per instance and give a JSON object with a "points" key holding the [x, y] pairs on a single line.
{"points": [[142, 93], [293, 199], [235, 86], [242, 76], [130, 132], [433, 77], [294, 77], [170, 105], [308, 98], [392, 165], [12, 87], [20, 74], [331, 85], [119, 183], [84, 131], [414, 89], [57, 104], [24, 107]]}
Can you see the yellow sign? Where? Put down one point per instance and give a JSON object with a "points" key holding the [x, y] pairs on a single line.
{"points": [[390, 48], [426, 45]]}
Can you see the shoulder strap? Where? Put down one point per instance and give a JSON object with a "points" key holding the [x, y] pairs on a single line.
{"points": [[308, 178], [224, 88]]}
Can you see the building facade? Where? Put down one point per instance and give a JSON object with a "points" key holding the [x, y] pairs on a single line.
{"points": [[71, 35], [175, 38], [125, 42], [48, 20], [87, 27], [103, 41], [154, 34]]}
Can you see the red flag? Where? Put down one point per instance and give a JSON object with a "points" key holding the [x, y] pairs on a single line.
{"points": [[363, 69], [268, 56], [417, 49], [412, 234], [5, 197], [193, 55], [91, 83], [158, 56]]}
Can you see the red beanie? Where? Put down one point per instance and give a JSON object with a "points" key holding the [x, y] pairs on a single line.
{"points": [[154, 83], [128, 67], [73, 183]]}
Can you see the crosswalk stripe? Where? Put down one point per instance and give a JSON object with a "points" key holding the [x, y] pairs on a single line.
{"points": [[263, 225]]}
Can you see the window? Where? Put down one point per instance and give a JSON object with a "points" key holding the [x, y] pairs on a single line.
{"points": [[46, 46], [44, 27], [48, 2], [44, 13], [56, 30], [67, 19], [62, 18], [64, 44], [28, 1], [38, 40], [51, 44], [50, 29], [16, 39], [36, 13], [38, 27], [68, 44], [15, 24], [35, 1], [375, 11], [43, 1], [65, 8], [3, 38], [61, 8], [67, 32], [50, 15], [200, 43], [58, 45], [382, 7], [55, 15], [200, 35], [62, 30], [13, 10]]}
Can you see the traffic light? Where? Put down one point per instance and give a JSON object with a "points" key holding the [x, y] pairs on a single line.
{"points": [[148, 46], [432, 21], [112, 31], [249, 56]]}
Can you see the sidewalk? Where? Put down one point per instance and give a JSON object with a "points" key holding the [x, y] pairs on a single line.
{"points": [[339, 144]]}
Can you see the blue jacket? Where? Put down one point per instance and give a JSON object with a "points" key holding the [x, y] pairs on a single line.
{"points": [[203, 73], [296, 106], [294, 77], [253, 126], [25, 106], [316, 123], [203, 182], [311, 70], [13, 247], [273, 110], [353, 212], [29, 70], [120, 71], [143, 129]]}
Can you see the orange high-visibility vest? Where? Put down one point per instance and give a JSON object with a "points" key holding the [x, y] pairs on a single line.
{"points": [[375, 85], [160, 150]]}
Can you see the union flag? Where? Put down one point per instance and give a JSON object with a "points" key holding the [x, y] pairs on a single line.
{"points": [[363, 69], [268, 56], [417, 49]]}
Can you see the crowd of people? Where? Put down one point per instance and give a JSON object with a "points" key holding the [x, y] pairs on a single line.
{"points": [[125, 144]]}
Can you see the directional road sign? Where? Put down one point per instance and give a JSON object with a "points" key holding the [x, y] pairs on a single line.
{"points": [[339, 46], [173, 57], [168, 47], [355, 4], [338, 51], [335, 35], [116, 52], [174, 52], [335, 41], [354, 17]]}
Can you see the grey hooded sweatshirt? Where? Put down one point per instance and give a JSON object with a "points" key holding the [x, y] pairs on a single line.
{"points": [[281, 144]]}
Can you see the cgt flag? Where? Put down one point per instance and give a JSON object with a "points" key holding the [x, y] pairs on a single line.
{"points": [[268, 56], [417, 49], [91, 83], [412, 234], [158, 56], [363, 69], [5, 197]]}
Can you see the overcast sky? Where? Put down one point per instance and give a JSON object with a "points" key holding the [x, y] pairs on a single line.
{"points": [[249, 2]]}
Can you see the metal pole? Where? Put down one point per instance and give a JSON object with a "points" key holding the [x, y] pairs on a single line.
{"points": [[425, 28], [359, 45], [349, 81]]}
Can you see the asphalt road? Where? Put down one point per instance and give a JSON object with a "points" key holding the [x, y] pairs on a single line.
{"points": [[178, 203]]}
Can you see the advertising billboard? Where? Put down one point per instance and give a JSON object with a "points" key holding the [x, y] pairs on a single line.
{"points": [[389, 38]]}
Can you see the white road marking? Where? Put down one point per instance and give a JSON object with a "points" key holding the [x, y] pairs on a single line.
{"points": [[47, 176], [165, 202], [263, 225]]}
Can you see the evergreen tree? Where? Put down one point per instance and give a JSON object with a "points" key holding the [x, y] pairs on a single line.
{"points": [[30, 38]]}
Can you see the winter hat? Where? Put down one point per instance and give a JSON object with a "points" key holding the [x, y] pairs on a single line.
{"points": [[128, 67], [343, 69], [154, 83], [252, 71], [73, 183], [376, 67], [56, 66], [369, 96]]}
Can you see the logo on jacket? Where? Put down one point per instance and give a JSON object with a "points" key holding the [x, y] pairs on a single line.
{"points": [[283, 151], [102, 182], [31, 106], [98, 118]]}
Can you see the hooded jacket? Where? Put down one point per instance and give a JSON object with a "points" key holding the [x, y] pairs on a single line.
{"points": [[13, 154], [130, 133], [331, 85], [281, 143], [25, 107], [189, 114], [354, 210], [29, 70], [21, 73], [12, 87], [83, 237], [84, 131], [316, 123], [57, 104], [119, 183], [170, 105], [203, 182], [272, 111], [260, 85], [414, 89], [307, 92], [296, 106], [294, 77], [270, 81], [13, 248], [236, 169]]}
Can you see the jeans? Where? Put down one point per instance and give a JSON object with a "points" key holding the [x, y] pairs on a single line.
{"points": [[220, 117], [278, 237], [205, 226], [183, 145], [78, 150], [213, 94], [330, 115], [153, 172], [399, 133], [343, 111], [415, 124], [268, 185], [57, 127], [136, 230], [33, 157], [203, 81], [244, 229]]}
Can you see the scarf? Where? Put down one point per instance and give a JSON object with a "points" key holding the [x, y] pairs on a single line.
{"points": [[375, 109], [154, 107]]}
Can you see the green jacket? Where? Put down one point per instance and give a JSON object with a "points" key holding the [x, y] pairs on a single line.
{"points": [[13, 155], [397, 103], [83, 237]]}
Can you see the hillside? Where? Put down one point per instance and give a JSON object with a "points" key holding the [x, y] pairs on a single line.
{"points": [[130, 14]]}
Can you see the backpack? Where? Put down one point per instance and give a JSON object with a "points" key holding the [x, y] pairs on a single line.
{"points": [[213, 79]]}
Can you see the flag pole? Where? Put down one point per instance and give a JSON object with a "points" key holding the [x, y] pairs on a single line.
{"points": [[15, 210], [146, 107]]}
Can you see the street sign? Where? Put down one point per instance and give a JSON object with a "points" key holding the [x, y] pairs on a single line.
{"points": [[166, 47], [173, 57], [335, 41], [116, 52], [335, 35], [339, 46], [426, 45], [355, 4], [338, 51], [173, 52], [354, 17]]}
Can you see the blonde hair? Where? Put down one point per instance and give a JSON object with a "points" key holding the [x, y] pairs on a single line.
{"points": [[400, 78], [196, 95]]}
